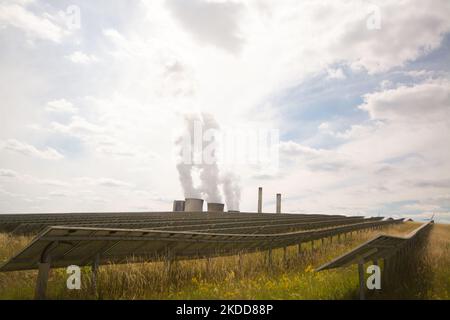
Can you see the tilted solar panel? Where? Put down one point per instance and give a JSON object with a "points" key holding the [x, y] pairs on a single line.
{"points": [[377, 248], [78, 245]]}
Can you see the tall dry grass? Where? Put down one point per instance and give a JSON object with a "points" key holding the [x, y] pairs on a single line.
{"points": [[436, 264]]}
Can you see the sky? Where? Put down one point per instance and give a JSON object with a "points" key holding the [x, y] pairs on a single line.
{"points": [[93, 95]]}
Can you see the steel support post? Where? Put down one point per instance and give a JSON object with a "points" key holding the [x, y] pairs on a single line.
{"points": [[43, 271], [94, 273], [362, 287], [42, 280]]}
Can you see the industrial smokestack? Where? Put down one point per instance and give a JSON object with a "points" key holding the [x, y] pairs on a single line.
{"points": [[278, 202], [193, 204], [215, 207], [260, 200], [178, 205]]}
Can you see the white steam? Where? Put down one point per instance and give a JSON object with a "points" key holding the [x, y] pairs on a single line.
{"points": [[197, 150], [185, 145], [209, 173], [232, 191]]}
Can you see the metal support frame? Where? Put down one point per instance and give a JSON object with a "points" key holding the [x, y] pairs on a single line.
{"points": [[385, 279], [42, 280], [362, 286], [44, 266], [241, 264], [269, 257], [94, 274], [168, 263]]}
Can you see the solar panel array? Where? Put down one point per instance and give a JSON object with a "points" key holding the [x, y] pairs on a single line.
{"points": [[232, 222], [380, 247], [185, 236]]}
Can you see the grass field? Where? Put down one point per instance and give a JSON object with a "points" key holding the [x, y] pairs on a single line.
{"points": [[247, 277]]}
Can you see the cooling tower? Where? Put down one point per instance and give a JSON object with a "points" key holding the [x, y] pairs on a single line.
{"points": [[192, 204], [215, 207], [178, 205]]}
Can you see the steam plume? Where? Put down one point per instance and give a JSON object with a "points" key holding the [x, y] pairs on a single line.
{"points": [[185, 145], [209, 174], [210, 179], [232, 191]]}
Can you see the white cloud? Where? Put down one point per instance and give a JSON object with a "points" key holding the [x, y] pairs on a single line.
{"points": [[395, 43], [421, 207], [29, 150], [8, 193], [28, 179], [426, 101], [105, 182], [8, 173], [81, 57], [59, 194], [336, 74], [293, 148], [421, 73], [78, 127], [60, 106], [46, 182], [34, 26], [386, 84], [217, 25], [108, 182]]}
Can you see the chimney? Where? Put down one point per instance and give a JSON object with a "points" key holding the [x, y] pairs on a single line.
{"points": [[278, 202], [260, 200]]}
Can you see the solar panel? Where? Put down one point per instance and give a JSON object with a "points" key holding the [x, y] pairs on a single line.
{"points": [[80, 245], [185, 222], [380, 247]]}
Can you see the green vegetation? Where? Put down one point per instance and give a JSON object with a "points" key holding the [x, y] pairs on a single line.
{"points": [[245, 277]]}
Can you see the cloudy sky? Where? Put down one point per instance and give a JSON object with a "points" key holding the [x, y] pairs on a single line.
{"points": [[92, 94]]}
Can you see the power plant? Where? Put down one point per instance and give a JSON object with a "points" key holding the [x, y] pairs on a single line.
{"points": [[196, 205]]}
